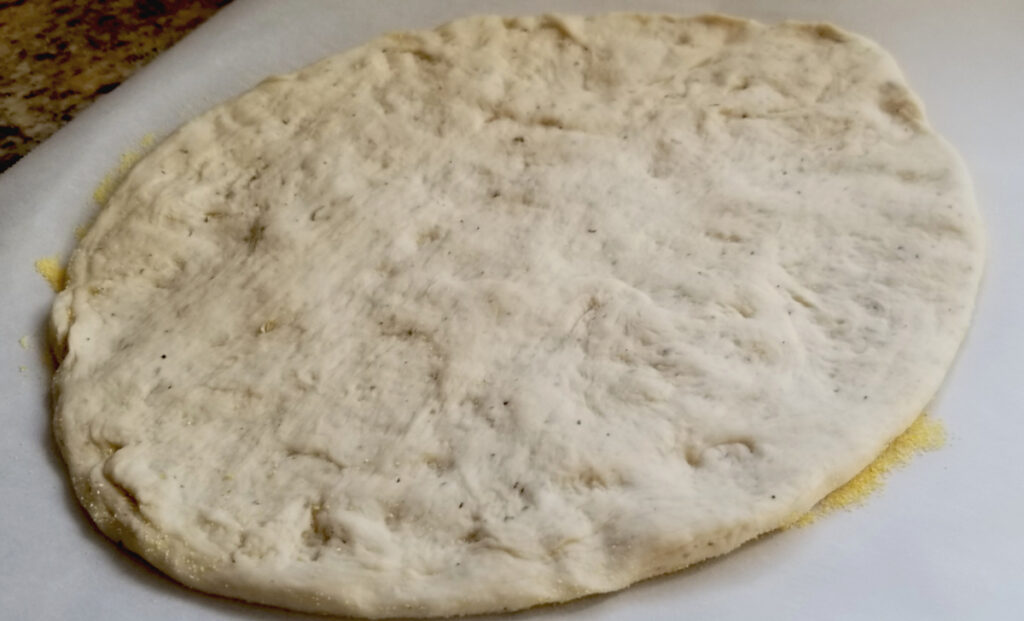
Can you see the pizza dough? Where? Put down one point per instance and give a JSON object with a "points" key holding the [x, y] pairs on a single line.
{"points": [[511, 311]]}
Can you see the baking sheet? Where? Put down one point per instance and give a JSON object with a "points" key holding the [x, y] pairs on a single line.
{"points": [[943, 541]]}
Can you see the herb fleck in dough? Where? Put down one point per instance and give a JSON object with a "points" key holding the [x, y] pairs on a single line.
{"points": [[511, 311]]}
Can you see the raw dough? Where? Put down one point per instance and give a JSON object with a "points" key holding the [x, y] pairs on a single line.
{"points": [[512, 311]]}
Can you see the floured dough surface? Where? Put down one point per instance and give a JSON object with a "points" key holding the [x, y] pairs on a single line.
{"points": [[512, 311]]}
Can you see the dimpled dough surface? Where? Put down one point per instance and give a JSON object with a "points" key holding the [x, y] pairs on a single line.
{"points": [[511, 311]]}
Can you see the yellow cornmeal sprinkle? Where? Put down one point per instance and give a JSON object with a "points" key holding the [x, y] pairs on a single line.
{"points": [[128, 159], [50, 269], [24, 342], [925, 434]]}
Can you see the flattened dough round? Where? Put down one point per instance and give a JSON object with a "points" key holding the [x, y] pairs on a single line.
{"points": [[512, 311]]}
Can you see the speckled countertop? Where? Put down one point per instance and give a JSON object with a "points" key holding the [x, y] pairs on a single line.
{"points": [[58, 56]]}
